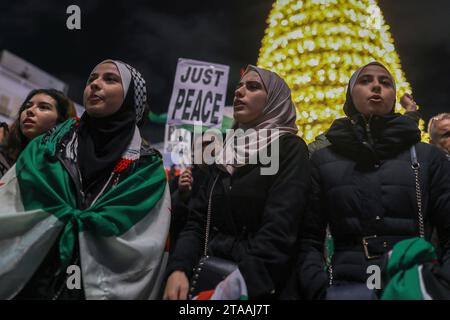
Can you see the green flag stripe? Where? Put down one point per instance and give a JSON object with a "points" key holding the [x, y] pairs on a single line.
{"points": [[46, 185]]}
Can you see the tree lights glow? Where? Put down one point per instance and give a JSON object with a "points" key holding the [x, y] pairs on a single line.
{"points": [[316, 45]]}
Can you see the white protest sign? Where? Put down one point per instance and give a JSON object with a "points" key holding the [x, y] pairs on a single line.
{"points": [[199, 93]]}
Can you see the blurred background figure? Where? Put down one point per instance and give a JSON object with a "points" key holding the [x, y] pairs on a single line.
{"points": [[4, 130], [439, 131]]}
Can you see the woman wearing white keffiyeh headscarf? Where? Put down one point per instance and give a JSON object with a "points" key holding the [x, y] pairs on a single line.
{"points": [[90, 195]]}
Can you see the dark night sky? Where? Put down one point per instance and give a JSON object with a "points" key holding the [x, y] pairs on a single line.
{"points": [[152, 35]]}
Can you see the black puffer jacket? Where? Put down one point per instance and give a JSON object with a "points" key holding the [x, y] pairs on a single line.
{"points": [[255, 221], [363, 185]]}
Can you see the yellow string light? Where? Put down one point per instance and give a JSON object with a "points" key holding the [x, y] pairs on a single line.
{"points": [[316, 45]]}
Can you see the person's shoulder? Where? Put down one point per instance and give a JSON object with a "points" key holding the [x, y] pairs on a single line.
{"points": [[430, 153], [326, 154], [320, 142], [62, 133], [293, 146], [3, 156], [293, 141], [427, 150], [148, 151]]}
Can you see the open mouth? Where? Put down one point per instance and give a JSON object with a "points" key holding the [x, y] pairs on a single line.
{"points": [[376, 98], [95, 98], [28, 121]]}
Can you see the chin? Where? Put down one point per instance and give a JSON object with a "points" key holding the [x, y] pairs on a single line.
{"points": [[382, 113], [29, 134], [94, 112], [237, 117]]}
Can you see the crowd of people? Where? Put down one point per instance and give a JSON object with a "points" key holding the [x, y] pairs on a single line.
{"points": [[92, 195]]}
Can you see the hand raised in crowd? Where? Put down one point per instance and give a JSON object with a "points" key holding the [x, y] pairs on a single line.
{"points": [[408, 102], [177, 286], [185, 183]]}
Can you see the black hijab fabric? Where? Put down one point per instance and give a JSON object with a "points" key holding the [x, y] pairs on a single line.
{"points": [[390, 135], [349, 106], [102, 141]]}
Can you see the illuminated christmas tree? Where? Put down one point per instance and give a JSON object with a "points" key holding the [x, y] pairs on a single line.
{"points": [[316, 45]]}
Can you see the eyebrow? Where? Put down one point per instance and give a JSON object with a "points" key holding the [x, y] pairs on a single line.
{"points": [[106, 74], [371, 75], [250, 81], [111, 74], [40, 103], [46, 103]]}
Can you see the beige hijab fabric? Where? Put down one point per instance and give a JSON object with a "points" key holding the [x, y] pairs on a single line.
{"points": [[277, 119]]}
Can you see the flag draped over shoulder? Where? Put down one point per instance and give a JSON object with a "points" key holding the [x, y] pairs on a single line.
{"points": [[413, 273], [121, 235]]}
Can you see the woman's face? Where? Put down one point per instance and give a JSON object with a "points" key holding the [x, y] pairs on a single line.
{"points": [[40, 114], [373, 93], [250, 98], [442, 134], [103, 95]]}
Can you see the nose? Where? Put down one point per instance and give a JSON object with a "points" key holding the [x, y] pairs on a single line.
{"points": [[376, 87], [30, 111], [239, 92], [95, 84]]}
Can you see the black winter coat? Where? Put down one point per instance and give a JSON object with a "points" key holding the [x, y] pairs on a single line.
{"points": [[180, 207], [255, 221], [364, 186]]}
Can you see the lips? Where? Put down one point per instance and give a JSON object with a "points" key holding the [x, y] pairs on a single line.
{"points": [[93, 98], [28, 121], [375, 98], [238, 104]]}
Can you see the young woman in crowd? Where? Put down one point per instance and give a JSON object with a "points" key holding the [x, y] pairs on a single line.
{"points": [[85, 212], [254, 218], [366, 190], [42, 110]]}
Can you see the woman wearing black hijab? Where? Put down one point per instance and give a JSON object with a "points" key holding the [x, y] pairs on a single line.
{"points": [[99, 202], [364, 189]]}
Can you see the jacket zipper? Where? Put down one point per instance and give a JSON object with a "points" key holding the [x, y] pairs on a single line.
{"points": [[76, 181], [368, 132]]}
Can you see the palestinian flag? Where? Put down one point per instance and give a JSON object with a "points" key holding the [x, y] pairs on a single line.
{"points": [[233, 287], [412, 272], [121, 236]]}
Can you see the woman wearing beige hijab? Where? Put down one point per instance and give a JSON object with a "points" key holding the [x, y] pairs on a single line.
{"points": [[255, 209]]}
